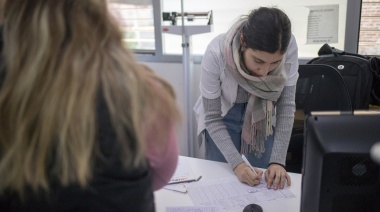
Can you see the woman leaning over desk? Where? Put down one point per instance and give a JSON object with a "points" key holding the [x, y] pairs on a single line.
{"points": [[83, 126], [248, 84]]}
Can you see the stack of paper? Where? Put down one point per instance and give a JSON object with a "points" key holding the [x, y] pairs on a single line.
{"points": [[182, 174]]}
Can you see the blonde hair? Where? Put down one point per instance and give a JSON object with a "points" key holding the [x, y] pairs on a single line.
{"points": [[2, 2], [60, 56]]}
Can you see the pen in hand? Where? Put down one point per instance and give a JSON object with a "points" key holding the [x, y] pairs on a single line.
{"points": [[247, 162]]}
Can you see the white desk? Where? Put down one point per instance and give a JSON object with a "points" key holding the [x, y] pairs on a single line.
{"points": [[214, 170]]}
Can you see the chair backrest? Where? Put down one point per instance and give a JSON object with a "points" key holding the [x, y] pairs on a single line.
{"points": [[321, 88]]}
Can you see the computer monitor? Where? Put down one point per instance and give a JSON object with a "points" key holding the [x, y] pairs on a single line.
{"points": [[338, 173]]}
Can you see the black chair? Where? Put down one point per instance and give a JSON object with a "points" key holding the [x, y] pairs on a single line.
{"points": [[319, 88]]}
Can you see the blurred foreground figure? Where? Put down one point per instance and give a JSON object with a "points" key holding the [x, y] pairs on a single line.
{"points": [[83, 126]]}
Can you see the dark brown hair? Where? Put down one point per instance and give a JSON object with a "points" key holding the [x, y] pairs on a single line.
{"points": [[267, 29]]}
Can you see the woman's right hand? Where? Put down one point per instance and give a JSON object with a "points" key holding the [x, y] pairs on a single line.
{"points": [[245, 174]]}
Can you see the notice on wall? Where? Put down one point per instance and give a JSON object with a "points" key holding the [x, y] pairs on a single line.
{"points": [[322, 25]]}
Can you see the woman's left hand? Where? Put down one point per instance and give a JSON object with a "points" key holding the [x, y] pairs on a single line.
{"points": [[276, 177]]}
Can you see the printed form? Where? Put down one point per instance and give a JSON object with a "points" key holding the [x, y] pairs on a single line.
{"points": [[229, 193]]}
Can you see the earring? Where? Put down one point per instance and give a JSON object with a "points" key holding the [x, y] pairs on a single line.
{"points": [[242, 48]]}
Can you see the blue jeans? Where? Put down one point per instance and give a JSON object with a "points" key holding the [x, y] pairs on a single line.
{"points": [[234, 123]]}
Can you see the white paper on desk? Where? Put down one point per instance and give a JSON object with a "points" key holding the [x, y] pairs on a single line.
{"points": [[183, 171], [229, 193], [192, 209]]}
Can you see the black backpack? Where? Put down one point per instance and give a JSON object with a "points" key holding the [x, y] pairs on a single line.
{"points": [[356, 72]]}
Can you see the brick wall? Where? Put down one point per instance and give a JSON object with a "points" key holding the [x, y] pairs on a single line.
{"points": [[369, 36]]}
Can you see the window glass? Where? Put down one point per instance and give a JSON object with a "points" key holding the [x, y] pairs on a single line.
{"points": [[136, 21], [304, 15]]}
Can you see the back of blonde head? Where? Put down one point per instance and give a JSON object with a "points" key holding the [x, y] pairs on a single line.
{"points": [[60, 56]]}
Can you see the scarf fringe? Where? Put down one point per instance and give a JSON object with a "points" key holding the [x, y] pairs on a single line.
{"points": [[259, 131]]}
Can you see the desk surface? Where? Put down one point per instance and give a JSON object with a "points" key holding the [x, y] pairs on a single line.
{"points": [[214, 170]]}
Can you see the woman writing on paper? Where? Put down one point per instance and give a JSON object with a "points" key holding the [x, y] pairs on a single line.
{"points": [[247, 106]]}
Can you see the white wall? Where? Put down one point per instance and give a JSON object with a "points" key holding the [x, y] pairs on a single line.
{"points": [[173, 73]]}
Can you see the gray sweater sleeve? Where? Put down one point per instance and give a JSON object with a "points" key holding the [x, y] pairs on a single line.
{"points": [[285, 109], [284, 124], [218, 131]]}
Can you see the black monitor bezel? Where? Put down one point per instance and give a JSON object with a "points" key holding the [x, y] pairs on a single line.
{"points": [[330, 140]]}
